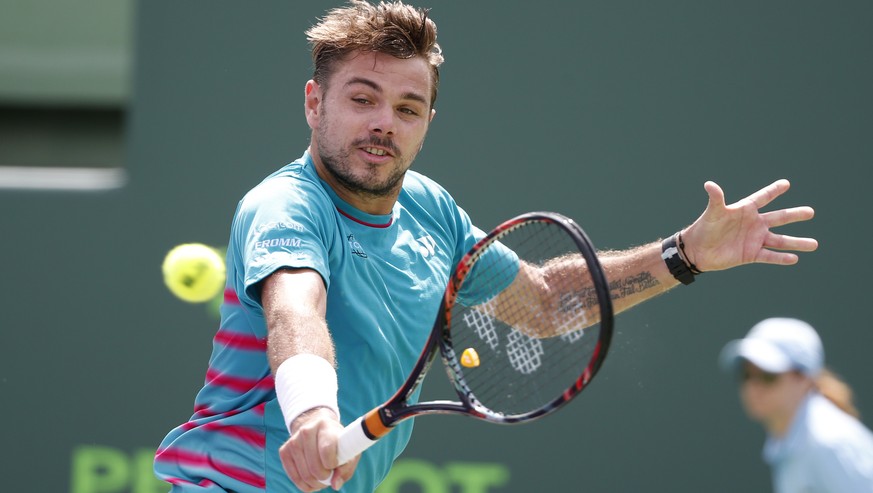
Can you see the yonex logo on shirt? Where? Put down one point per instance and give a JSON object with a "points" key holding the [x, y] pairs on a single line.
{"points": [[428, 246]]}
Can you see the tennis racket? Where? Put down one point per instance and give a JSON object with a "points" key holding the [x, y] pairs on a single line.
{"points": [[524, 325]]}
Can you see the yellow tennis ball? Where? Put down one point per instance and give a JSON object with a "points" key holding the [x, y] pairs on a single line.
{"points": [[470, 358], [194, 272]]}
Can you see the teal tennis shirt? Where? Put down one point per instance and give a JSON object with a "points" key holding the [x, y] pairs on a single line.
{"points": [[385, 276]]}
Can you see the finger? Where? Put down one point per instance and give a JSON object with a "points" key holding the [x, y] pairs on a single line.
{"points": [[327, 453], [303, 455], [344, 473], [782, 217], [329, 481], [288, 459], [317, 475], [778, 258], [308, 479], [767, 194], [716, 195], [327, 447], [321, 477], [330, 476], [792, 243]]}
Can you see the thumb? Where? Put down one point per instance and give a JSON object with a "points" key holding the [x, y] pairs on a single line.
{"points": [[716, 195]]}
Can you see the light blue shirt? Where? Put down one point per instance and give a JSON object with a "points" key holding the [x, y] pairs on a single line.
{"points": [[385, 276], [824, 450]]}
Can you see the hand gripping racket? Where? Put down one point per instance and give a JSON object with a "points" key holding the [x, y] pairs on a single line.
{"points": [[524, 325]]}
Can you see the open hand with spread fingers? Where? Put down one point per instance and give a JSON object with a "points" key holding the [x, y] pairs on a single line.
{"points": [[726, 236]]}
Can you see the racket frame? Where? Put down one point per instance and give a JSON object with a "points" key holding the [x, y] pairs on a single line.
{"points": [[397, 409], [377, 423]]}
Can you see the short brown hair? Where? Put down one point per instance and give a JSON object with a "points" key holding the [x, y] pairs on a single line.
{"points": [[392, 28]]}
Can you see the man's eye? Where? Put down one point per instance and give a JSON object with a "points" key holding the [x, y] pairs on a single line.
{"points": [[409, 111]]}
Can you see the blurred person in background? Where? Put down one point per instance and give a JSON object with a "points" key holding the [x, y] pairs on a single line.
{"points": [[815, 440]]}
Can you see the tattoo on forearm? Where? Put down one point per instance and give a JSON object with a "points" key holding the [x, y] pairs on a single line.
{"points": [[628, 286], [584, 299], [576, 302]]}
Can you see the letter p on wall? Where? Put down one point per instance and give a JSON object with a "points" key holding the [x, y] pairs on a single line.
{"points": [[101, 469]]}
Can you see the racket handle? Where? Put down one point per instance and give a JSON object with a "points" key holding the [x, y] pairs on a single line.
{"points": [[352, 442]]}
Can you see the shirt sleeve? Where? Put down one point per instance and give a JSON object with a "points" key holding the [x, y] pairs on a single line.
{"points": [[493, 272], [282, 223]]}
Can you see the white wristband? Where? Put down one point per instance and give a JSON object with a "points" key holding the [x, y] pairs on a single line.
{"points": [[304, 382]]}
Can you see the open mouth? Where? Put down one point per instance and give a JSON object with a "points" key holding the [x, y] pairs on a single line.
{"points": [[376, 152]]}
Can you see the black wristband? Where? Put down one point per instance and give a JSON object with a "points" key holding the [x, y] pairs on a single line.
{"points": [[688, 261], [677, 266]]}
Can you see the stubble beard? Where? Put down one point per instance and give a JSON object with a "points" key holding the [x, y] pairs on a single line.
{"points": [[337, 162]]}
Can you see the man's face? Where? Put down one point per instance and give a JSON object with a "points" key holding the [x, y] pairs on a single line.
{"points": [[369, 123]]}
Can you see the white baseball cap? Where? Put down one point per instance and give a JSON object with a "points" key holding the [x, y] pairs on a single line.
{"points": [[777, 345]]}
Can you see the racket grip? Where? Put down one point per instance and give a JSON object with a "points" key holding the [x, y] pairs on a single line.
{"points": [[352, 441]]}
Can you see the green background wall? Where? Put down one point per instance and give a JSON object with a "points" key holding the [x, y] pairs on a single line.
{"points": [[614, 113]]}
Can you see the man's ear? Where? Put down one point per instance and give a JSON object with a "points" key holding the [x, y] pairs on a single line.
{"points": [[312, 99]]}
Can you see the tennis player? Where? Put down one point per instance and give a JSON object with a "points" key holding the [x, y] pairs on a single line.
{"points": [[815, 442], [337, 263]]}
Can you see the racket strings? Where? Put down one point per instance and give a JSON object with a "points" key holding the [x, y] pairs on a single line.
{"points": [[535, 339]]}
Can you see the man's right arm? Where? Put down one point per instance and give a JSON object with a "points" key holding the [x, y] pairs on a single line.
{"points": [[294, 303]]}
